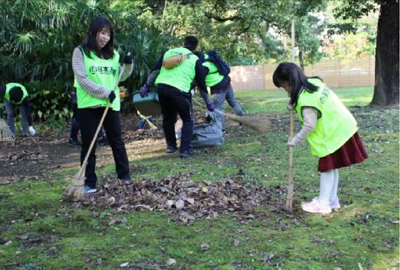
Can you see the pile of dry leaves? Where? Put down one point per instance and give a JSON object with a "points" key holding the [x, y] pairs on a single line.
{"points": [[188, 200]]}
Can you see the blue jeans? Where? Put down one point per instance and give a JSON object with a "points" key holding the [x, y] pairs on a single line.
{"points": [[219, 101], [10, 109], [143, 121]]}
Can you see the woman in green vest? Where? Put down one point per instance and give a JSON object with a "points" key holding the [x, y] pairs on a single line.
{"points": [[96, 68], [329, 128]]}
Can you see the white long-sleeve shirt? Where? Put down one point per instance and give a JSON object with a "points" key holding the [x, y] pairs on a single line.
{"points": [[310, 117]]}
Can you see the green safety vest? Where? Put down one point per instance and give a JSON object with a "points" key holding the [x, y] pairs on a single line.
{"points": [[103, 72], [213, 77], [11, 85], [180, 76], [335, 126]]}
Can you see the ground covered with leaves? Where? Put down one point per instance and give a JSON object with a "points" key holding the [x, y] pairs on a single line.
{"points": [[218, 210]]}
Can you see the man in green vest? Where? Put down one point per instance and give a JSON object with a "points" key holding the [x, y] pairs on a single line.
{"points": [[173, 87], [15, 95], [220, 86]]}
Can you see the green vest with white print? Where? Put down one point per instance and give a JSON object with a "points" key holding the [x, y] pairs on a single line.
{"points": [[103, 72], [335, 125]]}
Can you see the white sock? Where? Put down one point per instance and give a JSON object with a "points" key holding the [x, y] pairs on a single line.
{"points": [[325, 188], [335, 185]]}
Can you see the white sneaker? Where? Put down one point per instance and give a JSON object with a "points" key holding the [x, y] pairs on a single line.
{"points": [[315, 206], [89, 190], [334, 204]]}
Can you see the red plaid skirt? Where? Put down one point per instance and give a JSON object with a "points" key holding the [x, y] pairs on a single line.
{"points": [[352, 152]]}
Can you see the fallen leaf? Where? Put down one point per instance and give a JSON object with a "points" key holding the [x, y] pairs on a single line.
{"points": [[204, 247], [267, 258], [171, 261], [180, 204], [190, 200], [236, 242]]}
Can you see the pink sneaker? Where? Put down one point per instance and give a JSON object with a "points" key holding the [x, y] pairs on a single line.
{"points": [[334, 203], [316, 207]]}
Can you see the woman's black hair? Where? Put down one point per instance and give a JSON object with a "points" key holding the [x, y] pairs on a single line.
{"points": [[90, 44], [294, 75]]}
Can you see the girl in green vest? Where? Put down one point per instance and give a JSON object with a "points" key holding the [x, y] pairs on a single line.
{"points": [[329, 128], [96, 68]]}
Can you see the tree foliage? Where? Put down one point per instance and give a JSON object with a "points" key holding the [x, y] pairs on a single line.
{"points": [[38, 37]]}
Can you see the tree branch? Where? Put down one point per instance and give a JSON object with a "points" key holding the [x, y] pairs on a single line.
{"points": [[220, 19]]}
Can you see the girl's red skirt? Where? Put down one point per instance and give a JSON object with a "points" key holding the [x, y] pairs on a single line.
{"points": [[352, 152]]}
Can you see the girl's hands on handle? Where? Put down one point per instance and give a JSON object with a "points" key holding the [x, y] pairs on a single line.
{"points": [[294, 141], [111, 97]]}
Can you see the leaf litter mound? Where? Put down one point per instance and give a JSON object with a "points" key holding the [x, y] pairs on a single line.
{"points": [[187, 200]]}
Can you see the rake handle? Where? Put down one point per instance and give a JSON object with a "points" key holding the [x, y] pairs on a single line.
{"points": [[199, 104], [290, 195], [100, 124], [152, 126]]}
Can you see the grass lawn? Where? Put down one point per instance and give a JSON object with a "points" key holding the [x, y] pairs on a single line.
{"points": [[42, 232]]}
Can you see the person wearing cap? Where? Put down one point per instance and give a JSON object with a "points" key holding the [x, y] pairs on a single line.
{"points": [[16, 95]]}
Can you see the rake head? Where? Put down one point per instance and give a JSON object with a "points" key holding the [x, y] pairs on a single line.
{"points": [[5, 132], [257, 123], [76, 190]]}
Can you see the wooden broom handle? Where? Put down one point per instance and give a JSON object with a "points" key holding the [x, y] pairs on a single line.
{"points": [[101, 122], [289, 201]]}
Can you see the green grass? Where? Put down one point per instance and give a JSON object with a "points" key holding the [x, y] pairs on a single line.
{"points": [[46, 233]]}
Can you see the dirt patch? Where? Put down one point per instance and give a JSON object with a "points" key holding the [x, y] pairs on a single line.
{"points": [[30, 158]]}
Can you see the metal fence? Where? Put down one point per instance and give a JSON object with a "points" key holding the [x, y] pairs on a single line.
{"points": [[335, 73]]}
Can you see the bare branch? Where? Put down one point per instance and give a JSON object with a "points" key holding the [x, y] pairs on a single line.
{"points": [[220, 19]]}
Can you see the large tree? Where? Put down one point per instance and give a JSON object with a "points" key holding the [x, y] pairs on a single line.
{"points": [[386, 91]]}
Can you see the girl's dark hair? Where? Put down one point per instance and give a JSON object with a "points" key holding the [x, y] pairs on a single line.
{"points": [[90, 44], [294, 75]]}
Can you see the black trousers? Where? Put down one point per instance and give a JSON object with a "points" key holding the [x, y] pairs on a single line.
{"points": [[75, 124], [89, 119], [174, 102]]}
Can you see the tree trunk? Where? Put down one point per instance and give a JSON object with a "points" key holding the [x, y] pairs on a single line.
{"points": [[301, 60], [386, 90]]}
